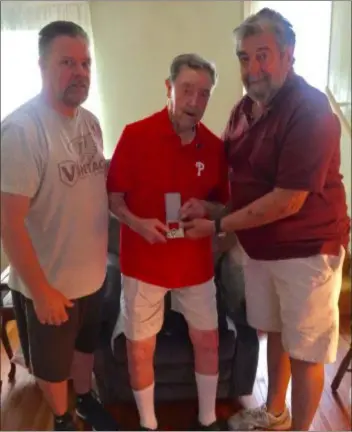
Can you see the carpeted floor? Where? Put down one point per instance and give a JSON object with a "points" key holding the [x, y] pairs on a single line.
{"points": [[173, 416]]}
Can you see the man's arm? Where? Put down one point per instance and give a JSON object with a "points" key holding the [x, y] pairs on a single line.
{"points": [[17, 243], [20, 180], [151, 230], [276, 205], [311, 140], [119, 208], [215, 210], [120, 181]]}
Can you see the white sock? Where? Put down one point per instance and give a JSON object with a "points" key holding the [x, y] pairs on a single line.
{"points": [[206, 386], [145, 404]]}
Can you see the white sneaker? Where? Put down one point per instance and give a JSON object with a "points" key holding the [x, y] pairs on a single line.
{"points": [[259, 418]]}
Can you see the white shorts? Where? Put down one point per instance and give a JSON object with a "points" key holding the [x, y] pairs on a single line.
{"points": [[142, 307], [298, 298]]}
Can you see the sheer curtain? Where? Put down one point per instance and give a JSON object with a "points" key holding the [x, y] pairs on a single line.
{"points": [[20, 24], [311, 21]]}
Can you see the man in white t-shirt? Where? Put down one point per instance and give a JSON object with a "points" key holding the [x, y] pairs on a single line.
{"points": [[54, 223]]}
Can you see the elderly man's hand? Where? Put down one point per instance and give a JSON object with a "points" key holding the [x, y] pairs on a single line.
{"points": [[198, 228], [193, 209]]}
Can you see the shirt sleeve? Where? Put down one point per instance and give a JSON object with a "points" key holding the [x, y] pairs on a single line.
{"points": [[20, 161], [120, 173], [310, 143]]}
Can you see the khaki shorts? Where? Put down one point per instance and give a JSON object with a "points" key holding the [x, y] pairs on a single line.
{"points": [[298, 298], [142, 307]]}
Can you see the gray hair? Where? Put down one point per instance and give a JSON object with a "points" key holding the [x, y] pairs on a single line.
{"points": [[193, 61], [267, 20]]}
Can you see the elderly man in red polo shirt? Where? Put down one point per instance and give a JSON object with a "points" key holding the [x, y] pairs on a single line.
{"points": [[161, 164], [290, 215]]}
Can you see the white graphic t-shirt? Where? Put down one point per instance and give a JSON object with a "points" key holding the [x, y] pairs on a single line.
{"points": [[58, 163]]}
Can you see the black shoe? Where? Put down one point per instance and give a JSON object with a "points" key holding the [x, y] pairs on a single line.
{"points": [[142, 428], [212, 427], [64, 423], [90, 409]]}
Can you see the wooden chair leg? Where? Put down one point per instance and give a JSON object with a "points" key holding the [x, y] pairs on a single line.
{"points": [[343, 368]]}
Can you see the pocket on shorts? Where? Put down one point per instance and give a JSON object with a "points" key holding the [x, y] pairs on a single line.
{"points": [[334, 262], [324, 267]]}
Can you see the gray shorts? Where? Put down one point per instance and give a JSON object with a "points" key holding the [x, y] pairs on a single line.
{"points": [[50, 347]]}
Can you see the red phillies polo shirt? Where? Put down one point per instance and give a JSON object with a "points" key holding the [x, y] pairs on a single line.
{"points": [[150, 161], [294, 145]]}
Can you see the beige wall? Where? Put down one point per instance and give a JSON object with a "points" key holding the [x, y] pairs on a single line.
{"points": [[134, 44]]}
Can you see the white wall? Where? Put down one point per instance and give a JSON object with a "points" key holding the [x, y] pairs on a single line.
{"points": [[339, 83], [346, 165], [135, 42], [312, 48]]}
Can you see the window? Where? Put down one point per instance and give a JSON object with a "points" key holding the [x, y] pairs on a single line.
{"points": [[20, 25], [311, 21], [20, 75]]}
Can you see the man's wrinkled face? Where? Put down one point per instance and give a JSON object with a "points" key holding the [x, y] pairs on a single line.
{"points": [[189, 95], [264, 67], [66, 70]]}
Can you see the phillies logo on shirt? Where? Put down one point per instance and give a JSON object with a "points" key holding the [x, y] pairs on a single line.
{"points": [[200, 167]]}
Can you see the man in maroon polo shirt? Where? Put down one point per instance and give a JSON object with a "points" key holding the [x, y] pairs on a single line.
{"points": [[290, 216]]}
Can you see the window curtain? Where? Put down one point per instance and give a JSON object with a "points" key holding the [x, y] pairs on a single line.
{"points": [[20, 25], [311, 21]]}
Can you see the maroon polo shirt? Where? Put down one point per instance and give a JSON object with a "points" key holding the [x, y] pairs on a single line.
{"points": [[294, 145]]}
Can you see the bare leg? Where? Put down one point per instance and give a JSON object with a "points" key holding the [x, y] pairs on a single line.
{"points": [[141, 369], [279, 372], [56, 395], [81, 372], [8, 349], [307, 387], [205, 345]]}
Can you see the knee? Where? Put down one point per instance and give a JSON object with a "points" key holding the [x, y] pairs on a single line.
{"points": [[205, 340], [141, 350]]}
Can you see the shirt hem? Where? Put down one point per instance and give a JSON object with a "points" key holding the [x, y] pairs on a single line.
{"points": [[167, 284], [293, 251]]}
